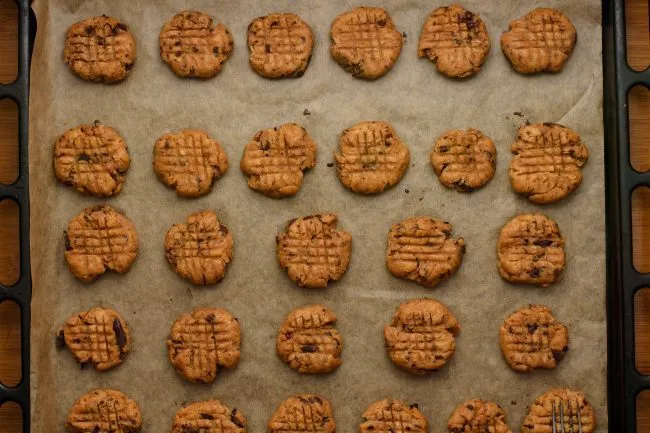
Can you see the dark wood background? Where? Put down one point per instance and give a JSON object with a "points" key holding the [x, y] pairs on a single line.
{"points": [[639, 101]]}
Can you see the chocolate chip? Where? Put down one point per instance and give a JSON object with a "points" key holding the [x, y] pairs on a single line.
{"points": [[414, 406], [223, 229], [443, 148], [120, 336], [543, 242], [206, 416], [101, 41], [210, 318], [267, 48], [306, 112], [535, 272], [128, 66], [309, 348], [235, 420], [187, 429], [315, 399], [66, 238], [325, 419], [513, 402], [330, 164], [60, 340], [407, 190], [84, 157], [90, 30], [470, 407], [447, 233], [177, 43], [122, 26], [381, 23], [532, 328], [195, 49]]}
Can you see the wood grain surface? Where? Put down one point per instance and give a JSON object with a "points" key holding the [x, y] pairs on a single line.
{"points": [[639, 101]]}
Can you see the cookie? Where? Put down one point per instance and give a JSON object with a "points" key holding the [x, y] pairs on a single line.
{"points": [[531, 250], [193, 46], [421, 249], [393, 416], [276, 158], [371, 158], [100, 49], [422, 336], [464, 160], [199, 249], [98, 239], [303, 413], [568, 405], [189, 161], [308, 342], [455, 40], [313, 251], [93, 159], [104, 411], [209, 416], [98, 336], [280, 45], [478, 416], [202, 342], [547, 161], [365, 42], [540, 41], [531, 338]]}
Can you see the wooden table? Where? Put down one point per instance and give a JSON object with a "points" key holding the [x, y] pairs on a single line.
{"points": [[639, 57]]}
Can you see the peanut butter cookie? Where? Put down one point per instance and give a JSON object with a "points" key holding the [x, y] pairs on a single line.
{"points": [[478, 416], [393, 416], [569, 405], [210, 416], [104, 411], [303, 413]]}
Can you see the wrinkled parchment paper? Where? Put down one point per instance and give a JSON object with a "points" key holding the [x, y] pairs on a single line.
{"points": [[420, 104]]}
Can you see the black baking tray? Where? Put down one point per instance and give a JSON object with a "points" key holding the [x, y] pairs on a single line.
{"points": [[624, 381]]}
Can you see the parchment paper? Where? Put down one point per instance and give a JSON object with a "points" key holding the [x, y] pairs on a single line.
{"points": [[420, 104]]}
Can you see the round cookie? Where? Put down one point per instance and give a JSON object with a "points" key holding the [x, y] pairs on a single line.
{"points": [[313, 251], [540, 41], [393, 416], [93, 159], [478, 416], [97, 239], [531, 250], [547, 161], [302, 413], [210, 416], [100, 49], [365, 42], [199, 249], [371, 158], [104, 411], [570, 402], [456, 40], [189, 161], [276, 158], [202, 342], [280, 45], [308, 342], [193, 46], [99, 336], [531, 338], [421, 249], [422, 336], [464, 160]]}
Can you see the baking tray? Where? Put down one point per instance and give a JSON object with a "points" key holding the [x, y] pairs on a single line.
{"points": [[624, 381]]}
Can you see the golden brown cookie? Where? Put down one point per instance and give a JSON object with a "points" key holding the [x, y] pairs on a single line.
{"points": [[199, 249], [540, 41], [98, 336], [313, 251], [308, 342], [421, 249], [189, 161], [97, 239], [210, 416], [280, 45], [193, 46], [276, 158], [100, 49], [547, 161], [371, 158], [104, 411], [531, 338], [393, 416], [365, 42], [478, 416], [464, 160], [202, 342], [93, 159], [421, 337], [562, 401], [303, 413], [531, 250], [456, 40]]}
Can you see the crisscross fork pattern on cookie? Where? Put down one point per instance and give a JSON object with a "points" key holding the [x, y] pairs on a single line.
{"points": [[363, 37]]}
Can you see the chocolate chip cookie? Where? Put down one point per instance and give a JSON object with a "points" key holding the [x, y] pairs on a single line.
{"points": [[100, 49], [210, 416], [365, 42], [280, 45], [478, 416], [104, 411], [313, 251], [98, 336], [393, 416], [531, 250], [456, 40], [303, 413], [202, 342], [422, 336], [569, 405]]}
